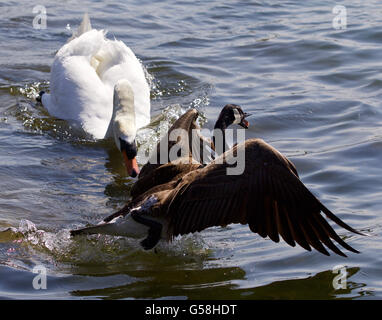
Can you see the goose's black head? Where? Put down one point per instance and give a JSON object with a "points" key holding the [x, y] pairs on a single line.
{"points": [[232, 113]]}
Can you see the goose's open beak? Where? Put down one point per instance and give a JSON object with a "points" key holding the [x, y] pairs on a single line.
{"points": [[131, 165], [244, 123]]}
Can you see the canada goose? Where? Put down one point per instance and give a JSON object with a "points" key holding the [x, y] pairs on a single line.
{"points": [[268, 196], [86, 73], [153, 173]]}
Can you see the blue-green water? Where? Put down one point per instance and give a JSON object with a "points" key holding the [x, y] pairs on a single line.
{"points": [[314, 92]]}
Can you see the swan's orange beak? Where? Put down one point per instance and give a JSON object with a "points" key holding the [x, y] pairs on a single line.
{"points": [[131, 165]]}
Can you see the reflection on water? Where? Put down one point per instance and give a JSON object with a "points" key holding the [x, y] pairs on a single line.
{"points": [[314, 93], [309, 288]]}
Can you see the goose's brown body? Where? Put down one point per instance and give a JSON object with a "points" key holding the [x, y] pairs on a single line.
{"points": [[268, 196]]}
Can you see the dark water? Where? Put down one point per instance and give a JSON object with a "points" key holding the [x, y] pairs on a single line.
{"points": [[314, 92]]}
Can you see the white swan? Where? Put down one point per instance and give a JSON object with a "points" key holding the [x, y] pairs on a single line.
{"points": [[87, 71]]}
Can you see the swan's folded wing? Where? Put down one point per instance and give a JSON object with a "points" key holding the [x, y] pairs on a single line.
{"points": [[268, 196]]}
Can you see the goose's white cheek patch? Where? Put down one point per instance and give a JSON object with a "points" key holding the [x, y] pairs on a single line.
{"points": [[237, 115]]}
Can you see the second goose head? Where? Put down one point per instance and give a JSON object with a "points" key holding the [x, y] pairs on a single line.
{"points": [[230, 114], [123, 124]]}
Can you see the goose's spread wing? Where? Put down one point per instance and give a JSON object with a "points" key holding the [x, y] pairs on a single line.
{"points": [[125, 210], [161, 175], [185, 123], [163, 178], [268, 196]]}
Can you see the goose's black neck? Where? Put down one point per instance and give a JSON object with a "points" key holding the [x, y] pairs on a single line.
{"points": [[218, 137], [221, 123]]}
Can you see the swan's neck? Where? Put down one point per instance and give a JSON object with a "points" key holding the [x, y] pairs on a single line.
{"points": [[123, 118]]}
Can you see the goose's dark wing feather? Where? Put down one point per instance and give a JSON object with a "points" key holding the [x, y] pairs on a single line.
{"points": [[163, 174], [122, 212], [194, 148], [268, 196], [185, 122]]}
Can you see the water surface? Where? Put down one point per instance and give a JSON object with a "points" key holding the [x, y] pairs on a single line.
{"points": [[314, 93]]}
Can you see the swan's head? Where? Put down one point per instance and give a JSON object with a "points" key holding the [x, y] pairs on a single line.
{"points": [[124, 129]]}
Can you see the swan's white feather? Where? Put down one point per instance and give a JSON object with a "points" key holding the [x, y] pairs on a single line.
{"points": [[83, 75]]}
